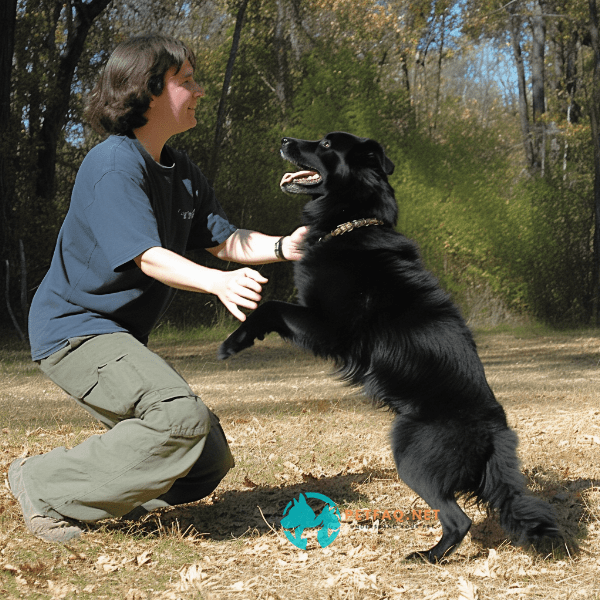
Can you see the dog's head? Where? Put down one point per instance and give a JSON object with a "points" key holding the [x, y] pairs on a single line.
{"points": [[345, 175]]}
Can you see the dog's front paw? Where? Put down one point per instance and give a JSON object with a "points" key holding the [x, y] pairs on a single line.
{"points": [[240, 339]]}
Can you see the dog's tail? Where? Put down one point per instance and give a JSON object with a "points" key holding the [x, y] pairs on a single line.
{"points": [[504, 489]]}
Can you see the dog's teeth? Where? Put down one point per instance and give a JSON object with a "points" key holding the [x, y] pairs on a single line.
{"points": [[306, 177]]}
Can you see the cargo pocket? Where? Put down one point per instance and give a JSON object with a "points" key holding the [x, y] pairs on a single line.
{"points": [[184, 417], [120, 387], [75, 379]]}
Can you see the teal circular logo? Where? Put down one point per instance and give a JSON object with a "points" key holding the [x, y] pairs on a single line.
{"points": [[298, 516]]}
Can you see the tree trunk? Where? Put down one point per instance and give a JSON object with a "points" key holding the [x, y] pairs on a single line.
{"points": [[594, 110], [281, 87], [538, 98], [515, 36], [438, 86], [57, 106], [8, 17], [220, 126], [573, 111], [537, 61]]}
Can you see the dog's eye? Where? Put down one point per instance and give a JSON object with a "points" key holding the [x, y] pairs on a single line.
{"points": [[326, 144]]}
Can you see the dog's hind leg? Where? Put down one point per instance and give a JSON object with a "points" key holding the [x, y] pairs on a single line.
{"points": [[455, 525], [424, 470]]}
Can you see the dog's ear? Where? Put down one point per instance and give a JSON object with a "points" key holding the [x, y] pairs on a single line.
{"points": [[371, 151], [388, 165]]}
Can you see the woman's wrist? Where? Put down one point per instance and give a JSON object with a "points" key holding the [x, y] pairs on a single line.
{"points": [[279, 248]]}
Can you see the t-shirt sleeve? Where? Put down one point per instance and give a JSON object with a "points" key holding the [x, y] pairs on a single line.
{"points": [[210, 226], [121, 219]]}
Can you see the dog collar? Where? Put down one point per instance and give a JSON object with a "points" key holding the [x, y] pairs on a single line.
{"points": [[349, 226]]}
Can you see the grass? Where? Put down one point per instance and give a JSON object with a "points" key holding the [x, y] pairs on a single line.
{"points": [[292, 429]]}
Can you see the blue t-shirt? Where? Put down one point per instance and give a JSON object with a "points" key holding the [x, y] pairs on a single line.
{"points": [[122, 204]]}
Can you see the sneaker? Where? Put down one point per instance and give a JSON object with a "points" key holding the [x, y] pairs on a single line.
{"points": [[42, 526], [136, 514]]}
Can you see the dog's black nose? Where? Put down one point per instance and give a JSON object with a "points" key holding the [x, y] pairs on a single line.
{"points": [[284, 141]]}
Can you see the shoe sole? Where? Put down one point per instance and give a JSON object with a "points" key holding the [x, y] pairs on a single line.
{"points": [[47, 528]]}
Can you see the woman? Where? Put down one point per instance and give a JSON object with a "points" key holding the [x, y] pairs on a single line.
{"points": [[136, 207]]}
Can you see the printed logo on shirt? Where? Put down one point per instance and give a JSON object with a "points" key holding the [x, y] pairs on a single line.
{"points": [[186, 214]]}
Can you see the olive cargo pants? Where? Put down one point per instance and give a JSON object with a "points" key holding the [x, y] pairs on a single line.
{"points": [[163, 445]]}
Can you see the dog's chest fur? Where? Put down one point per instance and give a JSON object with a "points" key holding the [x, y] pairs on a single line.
{"points": [[343, 278]]}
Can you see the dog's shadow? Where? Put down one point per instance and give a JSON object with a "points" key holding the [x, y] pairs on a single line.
{"points": [[259, 509]]}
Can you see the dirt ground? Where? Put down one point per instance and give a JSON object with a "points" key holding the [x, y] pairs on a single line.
{"points": [[294, 430]]}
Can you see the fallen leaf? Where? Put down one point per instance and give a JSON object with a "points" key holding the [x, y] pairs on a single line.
{"points": [[107, 563], [59, 590], [291, 466], [354, 550], [144, 558], [436, 596], [592, 438], [466, 590], [191, 576], [488, 568], [135, 594], [515, 588], [11, 568], [249, 483], [78, 556], [518, 590], [399, 590]]}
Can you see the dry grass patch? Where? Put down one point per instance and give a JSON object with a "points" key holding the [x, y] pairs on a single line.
{"points": [[293, 429]]}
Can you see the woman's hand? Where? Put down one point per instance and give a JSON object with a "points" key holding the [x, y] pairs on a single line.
{"points": [[241, 288], [292, 244]]}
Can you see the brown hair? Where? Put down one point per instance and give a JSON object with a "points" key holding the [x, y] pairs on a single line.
{"points": [[133, 74]]}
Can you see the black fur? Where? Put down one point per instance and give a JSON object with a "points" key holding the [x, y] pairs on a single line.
{"points": [[365, 301]]}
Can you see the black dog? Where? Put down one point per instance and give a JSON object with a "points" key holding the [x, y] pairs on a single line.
{"points": [[366, 302]]}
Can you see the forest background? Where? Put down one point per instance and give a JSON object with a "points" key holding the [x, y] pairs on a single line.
{"points": [[490, 110]]}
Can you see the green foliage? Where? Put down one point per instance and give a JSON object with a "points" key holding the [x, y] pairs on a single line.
{"points": [[340, 91], [557, 243], [451, 202], [304, 69], [529, 241]]}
